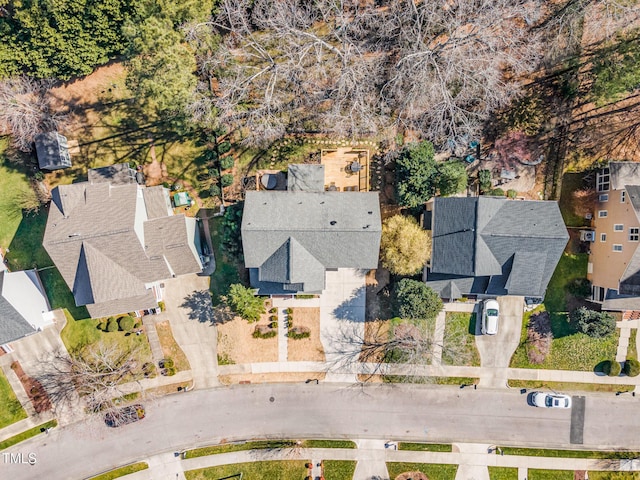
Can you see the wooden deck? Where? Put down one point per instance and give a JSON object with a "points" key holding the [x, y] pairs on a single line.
{"points": [[338, 175]]}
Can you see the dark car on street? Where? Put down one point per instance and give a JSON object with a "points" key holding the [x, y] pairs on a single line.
{"points": [[124, 415]]}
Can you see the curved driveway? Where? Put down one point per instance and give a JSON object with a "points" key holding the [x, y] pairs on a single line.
{"points": [[436, 414]]}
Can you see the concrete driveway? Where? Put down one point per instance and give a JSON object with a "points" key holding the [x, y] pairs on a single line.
{"points": [[342, 310], [190, 314], [496, 350]]}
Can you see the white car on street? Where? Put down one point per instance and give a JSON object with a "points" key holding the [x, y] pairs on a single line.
{"points": [[551, 400], [490, 314]]}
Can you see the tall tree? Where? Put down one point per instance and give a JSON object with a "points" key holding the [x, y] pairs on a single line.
{"points": [[404, 247], [416, 174]]}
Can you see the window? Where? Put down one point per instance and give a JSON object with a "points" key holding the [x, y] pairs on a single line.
{"points": [[603, 237], [618, 227], [603, 197], [634, 234], [602, 180], [617, 248], [623, 196], [597, 294], [602, 213]]}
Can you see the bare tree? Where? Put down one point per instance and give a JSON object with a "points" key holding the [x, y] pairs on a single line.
{"points": [[26, 110], [96, 378]]}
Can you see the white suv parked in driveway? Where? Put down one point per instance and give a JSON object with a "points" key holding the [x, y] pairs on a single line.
{"points": [[490, 313]]}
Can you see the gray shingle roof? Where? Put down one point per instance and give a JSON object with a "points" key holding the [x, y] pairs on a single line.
{"points": [[52, 151], [12, 325], [293, 265], [118, 174], [305, 178], [516, 243], [157, 201], [94, 235], [334, 229], [624, 173]]}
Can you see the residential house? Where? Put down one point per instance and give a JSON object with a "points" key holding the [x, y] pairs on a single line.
{"points": [[614, 258], [52, 151], [114, 243], [292, 238], [491, 246], [24, 308]]}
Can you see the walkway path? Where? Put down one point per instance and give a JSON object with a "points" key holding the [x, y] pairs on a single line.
{"points": [[149, 322], [283, 344], [473, 460], [625, 327], [438, 338]]}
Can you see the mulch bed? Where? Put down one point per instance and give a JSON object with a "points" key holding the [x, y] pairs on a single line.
{"points": [[412, 476], [34, 389]]}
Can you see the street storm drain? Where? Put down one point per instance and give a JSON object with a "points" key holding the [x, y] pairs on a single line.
{"points": [[272, 399], [577, 420]]}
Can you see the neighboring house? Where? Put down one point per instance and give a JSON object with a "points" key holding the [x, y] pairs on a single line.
{"points": [[118, 174], [24, 308], [291, 238], [52, 151], [114, 244], [614, 259], [489, 246]]}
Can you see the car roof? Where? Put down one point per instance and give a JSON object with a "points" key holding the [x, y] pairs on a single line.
{"points": [[491, 304]]}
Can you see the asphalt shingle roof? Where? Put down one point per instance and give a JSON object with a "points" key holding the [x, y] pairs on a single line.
{"points": [[118, 174], [305, 178], [52, 151], [12, 325]]}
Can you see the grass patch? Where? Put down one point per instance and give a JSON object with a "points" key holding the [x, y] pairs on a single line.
{"points": [[569, 386], [614, 475], [32, 432], [425, 447], [12, 182], [11, 410], [425, 380], [170, 348], [271, 470], [227, 270], [339, 469], [267, 445], [537, 474], [503, 473], [558, 453], [632, 350], [571, 182], [59, 294], [122, 471], [460, 340], [432, 470], [569, 350], [26, 250]]}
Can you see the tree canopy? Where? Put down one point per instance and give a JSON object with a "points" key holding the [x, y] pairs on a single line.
{"points": [[404, 247], [245, 303], [452, 178], [416, 173], [593, 323], [413, 300]]}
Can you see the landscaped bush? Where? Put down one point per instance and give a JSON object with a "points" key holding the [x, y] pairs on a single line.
{"points": [[102, 325], [148, 369], [166, 363], [224, 147], [580, 287], [298, 333], [264, 331], [496, 192], [214, 173], [484, 180], [273, 310], [231, 223], [288, 311], [126, 323], [169, 371], [593, 323], [511, 193], [112, 325], [413, 300], [273, 325], [226, 180], [632, 367], [612, 368], [273, 318], [226, 163], [214, 190]]}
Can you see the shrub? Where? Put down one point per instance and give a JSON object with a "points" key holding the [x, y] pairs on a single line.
{"points": [[593, 323], [166, 363], [148, 369], [496, 192], [102, 325], [263, 331], [242, 301], [484, 180], [273, 310], [289, 311], [273, 318], [273, 325], [416, 174], [414, 300], [226, 179], [169, 371], [214, 190], [511, 193], [299, 333], [226, 163], [231, 238], [126, 323], [405, 246], [580, 287], [612, 368], [632, 367], [224, 147], [112, 325], [214, 173]]}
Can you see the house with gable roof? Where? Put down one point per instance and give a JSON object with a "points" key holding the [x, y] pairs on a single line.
{"points": [[292, 238], [614, 253], [490, 246], [115, 241]]}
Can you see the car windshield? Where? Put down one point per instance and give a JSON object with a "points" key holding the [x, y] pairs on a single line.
{"points": [[548, 401], [492, 312]]}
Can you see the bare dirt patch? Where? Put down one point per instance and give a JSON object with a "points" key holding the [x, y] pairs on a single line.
{"points": [[270, 377], [235, 340], [170, 348], [375, 332], [306, 349]]}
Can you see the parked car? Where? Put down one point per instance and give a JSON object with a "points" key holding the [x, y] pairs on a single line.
{"points": [[551, 400], [124, 415], [490, 314]]}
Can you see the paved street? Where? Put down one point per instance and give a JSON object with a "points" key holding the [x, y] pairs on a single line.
{"points": [[437, 414]]}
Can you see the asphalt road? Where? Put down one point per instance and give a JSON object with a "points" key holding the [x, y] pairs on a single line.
{"points": [[436, 414]]}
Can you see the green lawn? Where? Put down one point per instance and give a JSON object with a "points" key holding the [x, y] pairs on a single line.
{"points": [[226, 269], [272, 470], [59, 294], [122, 471], [543, 452], [569, 386], [339, 469], [632, 350], [535, 474], [267, 444], [503, 473], [11, 410], [32, 432], [425, 447], [571, 182], [12, 182], [614, 475], [25, 249], [569, 350], [460, 340], [433, 471]]}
